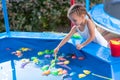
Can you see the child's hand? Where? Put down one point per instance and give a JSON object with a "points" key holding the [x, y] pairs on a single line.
{"points": [[56, 50], [79, 46]]}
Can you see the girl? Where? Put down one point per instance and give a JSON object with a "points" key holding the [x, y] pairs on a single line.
{"points": [[84, 26]]}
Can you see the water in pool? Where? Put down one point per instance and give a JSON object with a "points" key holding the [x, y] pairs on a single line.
{"points": [[25, 59]]}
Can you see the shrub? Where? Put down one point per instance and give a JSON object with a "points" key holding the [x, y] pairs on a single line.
{"points": [[38, 15]]}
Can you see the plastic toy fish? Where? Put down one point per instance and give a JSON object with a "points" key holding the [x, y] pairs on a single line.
{"points": [[63, 63], [40, 53], [64, 72], [87, 72], [25, 49], [7, 48], [76, 36], [61, 59], [55, 72], [47, 56], [46, 51], [66, 62], [32, 58], [24, 62], [60, 71], [46, 72], [35, 60], [46, 67], [18, 53], [60, 63], [81, 75], [73, 57], [72, 73]]}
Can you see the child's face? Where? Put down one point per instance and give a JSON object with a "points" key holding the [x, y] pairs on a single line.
{"points": [[77, 20]]}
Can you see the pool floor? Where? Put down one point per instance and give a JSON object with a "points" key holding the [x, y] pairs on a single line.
{"points": [[13, 70]]}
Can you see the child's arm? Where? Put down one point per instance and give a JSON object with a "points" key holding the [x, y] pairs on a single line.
{"points": [[67, 37], [91, 28]]}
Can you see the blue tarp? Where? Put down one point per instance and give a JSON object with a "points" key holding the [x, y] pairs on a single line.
{"points": [[108, 22]]}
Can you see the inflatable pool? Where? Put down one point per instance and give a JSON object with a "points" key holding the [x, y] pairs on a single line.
{"points": [[29, 56], [24, 55]]}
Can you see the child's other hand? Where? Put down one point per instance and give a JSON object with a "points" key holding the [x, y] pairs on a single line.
{"points": [[56, 50], [79, 46]]}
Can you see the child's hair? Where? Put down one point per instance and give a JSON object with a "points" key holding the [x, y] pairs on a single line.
{"points": [[79, 9]]}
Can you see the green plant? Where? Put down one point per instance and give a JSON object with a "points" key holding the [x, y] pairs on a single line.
{"points": [[38, 15]]}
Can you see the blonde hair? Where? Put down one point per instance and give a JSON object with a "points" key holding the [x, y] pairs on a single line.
{"points": [[79, 9]]}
